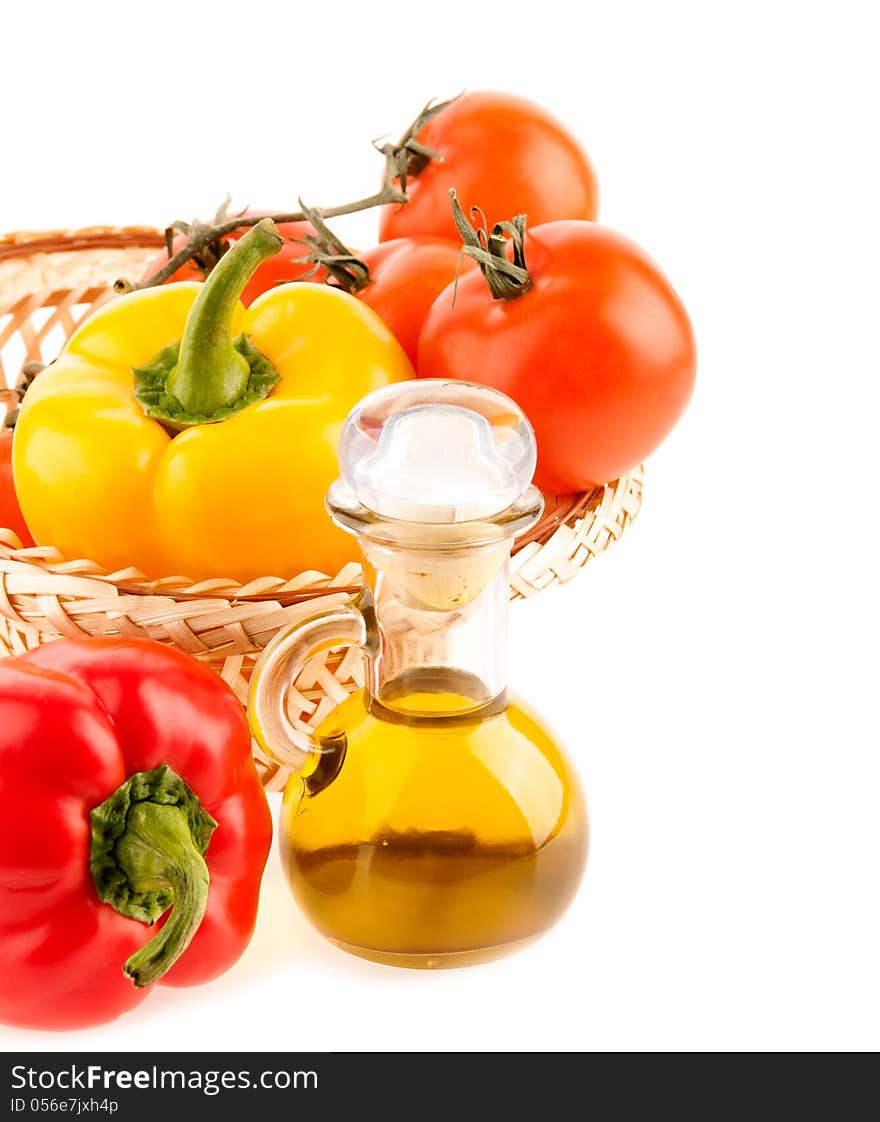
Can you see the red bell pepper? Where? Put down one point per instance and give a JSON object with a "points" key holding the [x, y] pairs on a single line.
{"points": [[127, 793]]}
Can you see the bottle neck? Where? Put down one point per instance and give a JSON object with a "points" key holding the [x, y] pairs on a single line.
{"points": [[439, 630]]}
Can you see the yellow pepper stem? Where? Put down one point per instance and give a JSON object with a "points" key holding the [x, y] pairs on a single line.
{"points": [[208, 375]]}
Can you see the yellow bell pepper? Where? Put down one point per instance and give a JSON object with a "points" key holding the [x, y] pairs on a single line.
{"points": [[207, 457]]}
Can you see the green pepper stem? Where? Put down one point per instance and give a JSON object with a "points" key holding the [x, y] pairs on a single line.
{"points": [[210, 373], [157, 854], [148, 843]]}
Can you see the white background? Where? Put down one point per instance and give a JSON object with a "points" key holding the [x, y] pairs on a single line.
{"points": [[714, 675]]}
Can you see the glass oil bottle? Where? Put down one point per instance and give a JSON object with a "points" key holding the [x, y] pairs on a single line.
{"points": [[432, 820]]}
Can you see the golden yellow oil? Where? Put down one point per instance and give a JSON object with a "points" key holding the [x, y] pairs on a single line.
{"points": [[434, 840]]}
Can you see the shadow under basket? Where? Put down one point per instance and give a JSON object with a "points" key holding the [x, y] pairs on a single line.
{"points": [[49, 283]]}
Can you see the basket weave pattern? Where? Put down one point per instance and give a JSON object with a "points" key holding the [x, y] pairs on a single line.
{"points": [[48, 284]]}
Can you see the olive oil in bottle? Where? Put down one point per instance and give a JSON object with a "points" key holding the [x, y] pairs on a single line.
{"points": [[433, 820], [442, 840]]}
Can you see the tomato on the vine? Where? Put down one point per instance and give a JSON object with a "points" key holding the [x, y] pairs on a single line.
{"points": [[285, 266], [584, 333], [500, 152]]}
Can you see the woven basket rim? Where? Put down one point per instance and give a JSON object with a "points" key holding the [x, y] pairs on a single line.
{"points": [[25, 243], [303, 586]]}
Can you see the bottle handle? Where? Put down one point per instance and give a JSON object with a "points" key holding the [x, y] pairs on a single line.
{"points": [[277, 669]]}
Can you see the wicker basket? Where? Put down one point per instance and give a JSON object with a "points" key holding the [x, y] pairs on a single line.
{"points": [[49, 283]]}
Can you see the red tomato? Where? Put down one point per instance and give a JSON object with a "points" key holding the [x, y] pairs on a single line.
{"points": [[11, 517], [279, 269], [599, 352], [501, 153], [407, 275]]}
